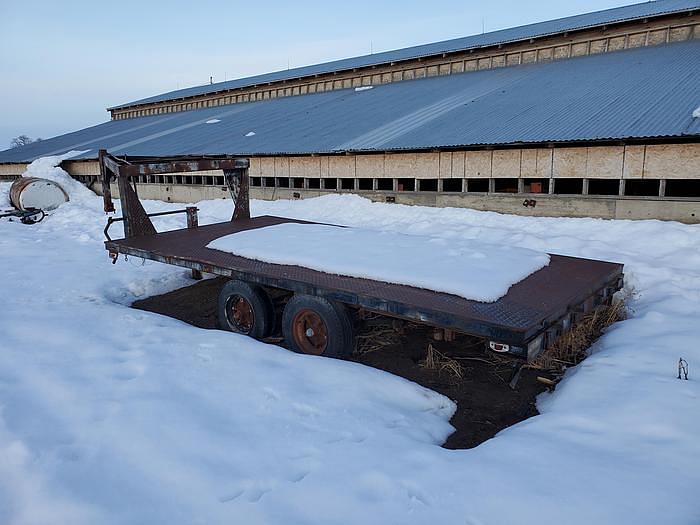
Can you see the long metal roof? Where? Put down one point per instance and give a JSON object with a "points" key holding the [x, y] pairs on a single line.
{"points": [[638, 93], [537, 30]]}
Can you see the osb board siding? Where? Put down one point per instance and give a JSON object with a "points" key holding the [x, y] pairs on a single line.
{"points": [[633, 162], [304, 167], [605, 162], [544, 163], [477, 164], [528, 164], [12, 169], [458, 159], [506, 163], [570, 163], [255, 169], [656, 161], [341, 167], [281, 167], [411, 165], [600, 162], [672, 161], [445, 165], [267, 166], [369, 166]]}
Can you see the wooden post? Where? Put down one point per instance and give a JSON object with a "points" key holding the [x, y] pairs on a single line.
{"points": [[105, 175], [237, 181], [193, 222]]}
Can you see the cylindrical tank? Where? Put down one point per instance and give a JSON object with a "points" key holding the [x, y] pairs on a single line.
{"points": [[32, 192]]}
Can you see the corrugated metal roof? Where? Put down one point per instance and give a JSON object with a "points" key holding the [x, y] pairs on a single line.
{"points": [[637, 93], [538, 30]]}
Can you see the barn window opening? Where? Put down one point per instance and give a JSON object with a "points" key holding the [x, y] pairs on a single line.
{"points": [[347, 184], [477, 185], [406, 185], [452, 185], [330, 184], [568, 186], [314, 184], [365, 184], [642, 187], [683, 188], [506, 185], [282, 182], [385, 184], [269, 182], [603, 187], [540, 185], [298, 182], [197, 179], [428, 184], [220, 181], [256, 181]]}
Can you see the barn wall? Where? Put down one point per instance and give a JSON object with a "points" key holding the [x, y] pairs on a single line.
{"points": [[634, 181]]}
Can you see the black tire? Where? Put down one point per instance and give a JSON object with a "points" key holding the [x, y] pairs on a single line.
{"points": [[339, 337], [258, 304]]}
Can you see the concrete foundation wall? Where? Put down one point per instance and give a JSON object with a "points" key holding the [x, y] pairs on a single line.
{"points": [[544, 205]]}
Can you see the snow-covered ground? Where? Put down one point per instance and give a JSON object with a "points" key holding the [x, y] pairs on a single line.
{"points": [[111, 415], [467, 267]]}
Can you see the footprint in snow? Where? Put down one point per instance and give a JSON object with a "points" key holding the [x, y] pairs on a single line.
{"points": [[231, 496], [298, 476]]}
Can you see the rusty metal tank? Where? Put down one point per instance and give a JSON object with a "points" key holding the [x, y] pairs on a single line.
{"points": [[41, 194]]}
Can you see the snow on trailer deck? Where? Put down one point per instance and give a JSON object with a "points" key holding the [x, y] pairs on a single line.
{"points": [[465, 267], [528, 309]]}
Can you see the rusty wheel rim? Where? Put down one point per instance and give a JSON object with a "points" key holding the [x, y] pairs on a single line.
{"points": [[310, 332], [240, 314]]}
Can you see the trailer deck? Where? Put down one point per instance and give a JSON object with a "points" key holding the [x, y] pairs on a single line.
{"points": [[532, 314], [530, 307]]}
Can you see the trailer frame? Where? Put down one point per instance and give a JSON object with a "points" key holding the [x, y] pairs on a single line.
{"points": [[526, 320]]}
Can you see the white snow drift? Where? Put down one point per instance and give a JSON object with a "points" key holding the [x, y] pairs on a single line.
{"points": [[469, 268], [113, 415]]}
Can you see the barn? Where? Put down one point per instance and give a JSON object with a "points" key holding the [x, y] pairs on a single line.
{"points": [[591, 115]]}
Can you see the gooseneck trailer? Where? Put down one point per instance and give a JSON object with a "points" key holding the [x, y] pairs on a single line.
{"points": [[317, 317]]}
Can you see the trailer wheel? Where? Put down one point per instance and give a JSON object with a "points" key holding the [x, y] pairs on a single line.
{"points": [[246, 309], [314, 325]]}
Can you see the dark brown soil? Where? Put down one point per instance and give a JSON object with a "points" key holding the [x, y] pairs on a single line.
{"points": [[486, 403]]}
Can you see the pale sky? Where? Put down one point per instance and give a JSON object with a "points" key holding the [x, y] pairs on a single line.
{"points": [[62, 63]]}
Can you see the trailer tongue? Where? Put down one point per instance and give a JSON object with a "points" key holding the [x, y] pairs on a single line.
{"points": [[528, 318]]}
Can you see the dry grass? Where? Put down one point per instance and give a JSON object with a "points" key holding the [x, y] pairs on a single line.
{"points": [[572, 347], [376, 332], [436, 360]]}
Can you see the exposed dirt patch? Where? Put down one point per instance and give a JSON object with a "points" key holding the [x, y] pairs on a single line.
{"points": [[486, 403]]}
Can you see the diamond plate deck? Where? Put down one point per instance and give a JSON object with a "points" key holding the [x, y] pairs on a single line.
{"points": [[529, 307]]}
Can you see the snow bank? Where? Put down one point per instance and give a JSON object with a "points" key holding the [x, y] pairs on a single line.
{"points": [[111, 415], [472, 269], [49, 168]]}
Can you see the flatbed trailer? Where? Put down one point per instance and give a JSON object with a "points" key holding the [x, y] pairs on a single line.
{"points": [[532, 314]]}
